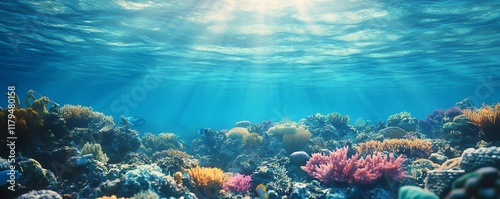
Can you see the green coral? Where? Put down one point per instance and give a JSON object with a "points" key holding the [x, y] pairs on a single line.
{"points": [[96, 151], [295, 142], [338, 120], [160, 142], [252, 140], [394, 120], [282, 129]]}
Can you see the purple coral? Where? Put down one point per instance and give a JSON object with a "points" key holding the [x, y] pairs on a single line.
{"points": [[452, 112], [336, 167], [436, 117], [238, 183]]}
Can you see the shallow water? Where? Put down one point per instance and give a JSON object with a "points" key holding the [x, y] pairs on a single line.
{"points": [[180, 64]]}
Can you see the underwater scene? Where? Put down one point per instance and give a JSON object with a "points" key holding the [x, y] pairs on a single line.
{"points": [[249, 99]]}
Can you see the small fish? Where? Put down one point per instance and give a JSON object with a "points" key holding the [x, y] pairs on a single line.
{"points": [[261, 191], [133, 121]]}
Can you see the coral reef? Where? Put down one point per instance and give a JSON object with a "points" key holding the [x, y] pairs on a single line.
{"points": [[252, 140], [238, 183], [162, 141], [402, 120], [96, 151], [337, 167], [338, 120], [84, 117], [411, 148], [40, 194], [439, 181], [473, 159], [237, 133], [487, 119], [296, 141]]}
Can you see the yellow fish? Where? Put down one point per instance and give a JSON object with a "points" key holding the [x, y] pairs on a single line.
{"points": [[261, 191]]}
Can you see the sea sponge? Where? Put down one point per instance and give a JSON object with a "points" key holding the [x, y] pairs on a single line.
{"points": [[96, 151], [252, 140], [487, 119], [295, 142], [237, 133]]}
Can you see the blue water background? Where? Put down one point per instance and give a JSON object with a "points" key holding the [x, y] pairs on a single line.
{"points": [[186, 63]]}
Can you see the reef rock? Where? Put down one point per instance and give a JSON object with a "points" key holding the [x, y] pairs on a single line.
{"points": [[473, 159]]}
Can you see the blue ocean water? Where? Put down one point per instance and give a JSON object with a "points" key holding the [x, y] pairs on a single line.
{"points": [[189, 63]]}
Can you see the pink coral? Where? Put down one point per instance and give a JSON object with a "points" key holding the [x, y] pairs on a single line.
{"points": [[238, 183], [336, 167]]}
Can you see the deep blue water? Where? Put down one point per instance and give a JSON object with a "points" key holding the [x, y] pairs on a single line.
{"points": [[192, 63]]}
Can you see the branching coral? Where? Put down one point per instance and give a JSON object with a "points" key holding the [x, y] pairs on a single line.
{"points": [[294, 142], [96, 151], [487, 119], [411, 148], [338, 121], [81, 116], [337, 167], [238, 183]]}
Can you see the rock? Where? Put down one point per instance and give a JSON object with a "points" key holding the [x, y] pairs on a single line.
{"points": [[438, 158], [243, 123], [393, 132], [299, 158]]}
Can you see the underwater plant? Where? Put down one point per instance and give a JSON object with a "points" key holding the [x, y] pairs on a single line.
{"points": [[487, 118]]}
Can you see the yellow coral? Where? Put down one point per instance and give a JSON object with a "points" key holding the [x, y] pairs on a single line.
{"points": [[282, 129], [294, 142], [96, 151], [203, 176], [81, 116], [487, 119], [251, 140], [413, 147], [237, 133]]}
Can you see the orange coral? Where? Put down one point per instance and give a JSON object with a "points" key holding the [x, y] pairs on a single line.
{"points": [[413, 147], [204, 176], [487, 119]]}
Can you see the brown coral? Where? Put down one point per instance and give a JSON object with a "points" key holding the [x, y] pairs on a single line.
{"points": [[237, 133], [252, 140], [84, 117], [294, 142], [487, 119], [411, 148]]}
